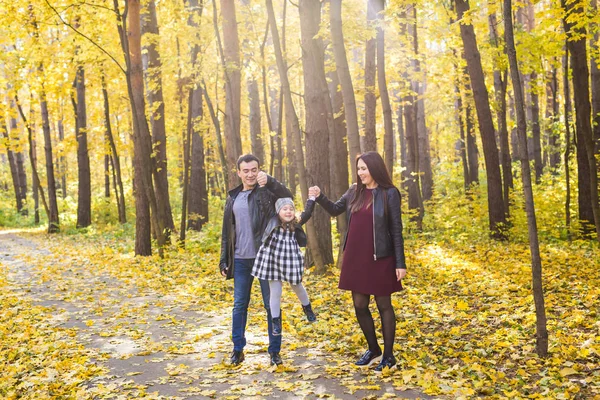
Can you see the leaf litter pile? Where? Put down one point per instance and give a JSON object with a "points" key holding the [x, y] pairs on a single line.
{"points": [[82, 318]]}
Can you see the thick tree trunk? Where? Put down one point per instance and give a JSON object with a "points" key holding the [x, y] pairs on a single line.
{"points": [[388, 137], [230, 57], [581, 92], [369, 140], [536, 263], [157, 118], [595, 76], [316, 129], [343, 72], [293, 118], [146, 204], [253, 93], [115, 162], [500, 84], [496, 213], [84, 191], [198, 190], [198, 198]]}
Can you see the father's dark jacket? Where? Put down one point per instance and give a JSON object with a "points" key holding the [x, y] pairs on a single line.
{"points": [[387, 221], [260, 202]]}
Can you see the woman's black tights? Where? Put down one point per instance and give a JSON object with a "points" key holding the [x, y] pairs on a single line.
{"points": [[365, 320]]}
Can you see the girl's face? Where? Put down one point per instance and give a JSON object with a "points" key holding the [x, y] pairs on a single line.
{"points": [[364, 174], [286, 214]]}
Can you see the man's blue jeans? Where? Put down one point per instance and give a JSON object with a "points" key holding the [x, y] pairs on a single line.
{"points": [[242, 286]]}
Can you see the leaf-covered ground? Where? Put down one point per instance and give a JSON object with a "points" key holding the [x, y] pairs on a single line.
{"points": [[81, 317]]}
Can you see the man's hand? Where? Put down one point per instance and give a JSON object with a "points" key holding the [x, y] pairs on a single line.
{"points": [[224, 272], [314, 191], [262, 178]]}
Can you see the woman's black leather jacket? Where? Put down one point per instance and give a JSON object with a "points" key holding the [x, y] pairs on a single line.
{"points": [[387, 221]]}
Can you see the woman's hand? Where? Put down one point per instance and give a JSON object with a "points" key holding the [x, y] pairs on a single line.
{"points": [[400, 273]]}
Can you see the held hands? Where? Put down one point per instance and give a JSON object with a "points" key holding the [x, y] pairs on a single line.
{"points": [[262, 178], [400, 273], [314, 191]]}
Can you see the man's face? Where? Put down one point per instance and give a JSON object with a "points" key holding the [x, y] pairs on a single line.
{"points": [[248, 172]]}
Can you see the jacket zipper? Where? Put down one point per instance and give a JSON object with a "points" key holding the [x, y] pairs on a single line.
{"points": [[374, 241]]}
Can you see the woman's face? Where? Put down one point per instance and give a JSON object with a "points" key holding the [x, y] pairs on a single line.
{"points": [[364, 174], [286, 214]]}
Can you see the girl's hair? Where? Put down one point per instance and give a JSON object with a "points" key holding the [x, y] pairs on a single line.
{"points": [[378, 172]]}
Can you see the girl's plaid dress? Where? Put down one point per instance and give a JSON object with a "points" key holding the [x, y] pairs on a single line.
{"points": [[279, 258]]}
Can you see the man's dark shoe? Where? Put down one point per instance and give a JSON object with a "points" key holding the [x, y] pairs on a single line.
{"points": [[368, 358], [236, 357], [387, 361], [310, 314], [276, 322], [275, 358]]}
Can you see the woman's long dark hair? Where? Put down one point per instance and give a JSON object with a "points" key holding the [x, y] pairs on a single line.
{"points": [[379, 173]]}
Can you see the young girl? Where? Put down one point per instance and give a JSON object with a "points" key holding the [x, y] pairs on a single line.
{"points": [[279, 258]]}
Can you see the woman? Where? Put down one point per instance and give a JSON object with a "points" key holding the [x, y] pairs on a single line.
{"points": [[374, 262]]}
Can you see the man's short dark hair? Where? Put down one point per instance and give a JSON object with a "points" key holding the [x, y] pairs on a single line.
{"points": [[247, 158]]}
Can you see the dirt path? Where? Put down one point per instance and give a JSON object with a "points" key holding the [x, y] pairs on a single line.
{"points": [[156, 346]]}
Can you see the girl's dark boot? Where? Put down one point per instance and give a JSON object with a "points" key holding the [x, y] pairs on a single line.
{"points": [[310, 314], [276, 322]]}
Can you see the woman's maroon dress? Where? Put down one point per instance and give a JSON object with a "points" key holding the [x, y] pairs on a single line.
{"points": [[360, 271]]}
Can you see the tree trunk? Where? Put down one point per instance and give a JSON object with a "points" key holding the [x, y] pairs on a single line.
{"points": [[19, 161], [496, 213], [388, 137], [369, 142], [567, 111], [198, 198], [53, 222], [535, 128], [37, 187], [293, 118], [145, 200], [500, 83], [343, 72], [217, 125], [581, 92], [230, 58], [424, 147], [552, 115], [12, 162], [472, 150], [115, 162], [253, 94], [157, 118], [536, 263], [198, 191], [84, 192], [595, 75], [316, 129]]}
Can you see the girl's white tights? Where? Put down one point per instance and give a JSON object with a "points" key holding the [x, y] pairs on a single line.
{"points": [[275, 297]]}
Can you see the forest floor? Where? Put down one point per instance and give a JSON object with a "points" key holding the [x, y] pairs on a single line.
{"points": [[81, 317], [144, 343]]}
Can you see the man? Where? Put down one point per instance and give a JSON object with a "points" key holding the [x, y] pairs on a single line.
{"points": [[244, 222]]}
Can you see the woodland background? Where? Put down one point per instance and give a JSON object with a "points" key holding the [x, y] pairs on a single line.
{"points": [[123, 120]]}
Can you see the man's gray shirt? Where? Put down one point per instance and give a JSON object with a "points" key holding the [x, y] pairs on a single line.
{"points": [[244, 238]]}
